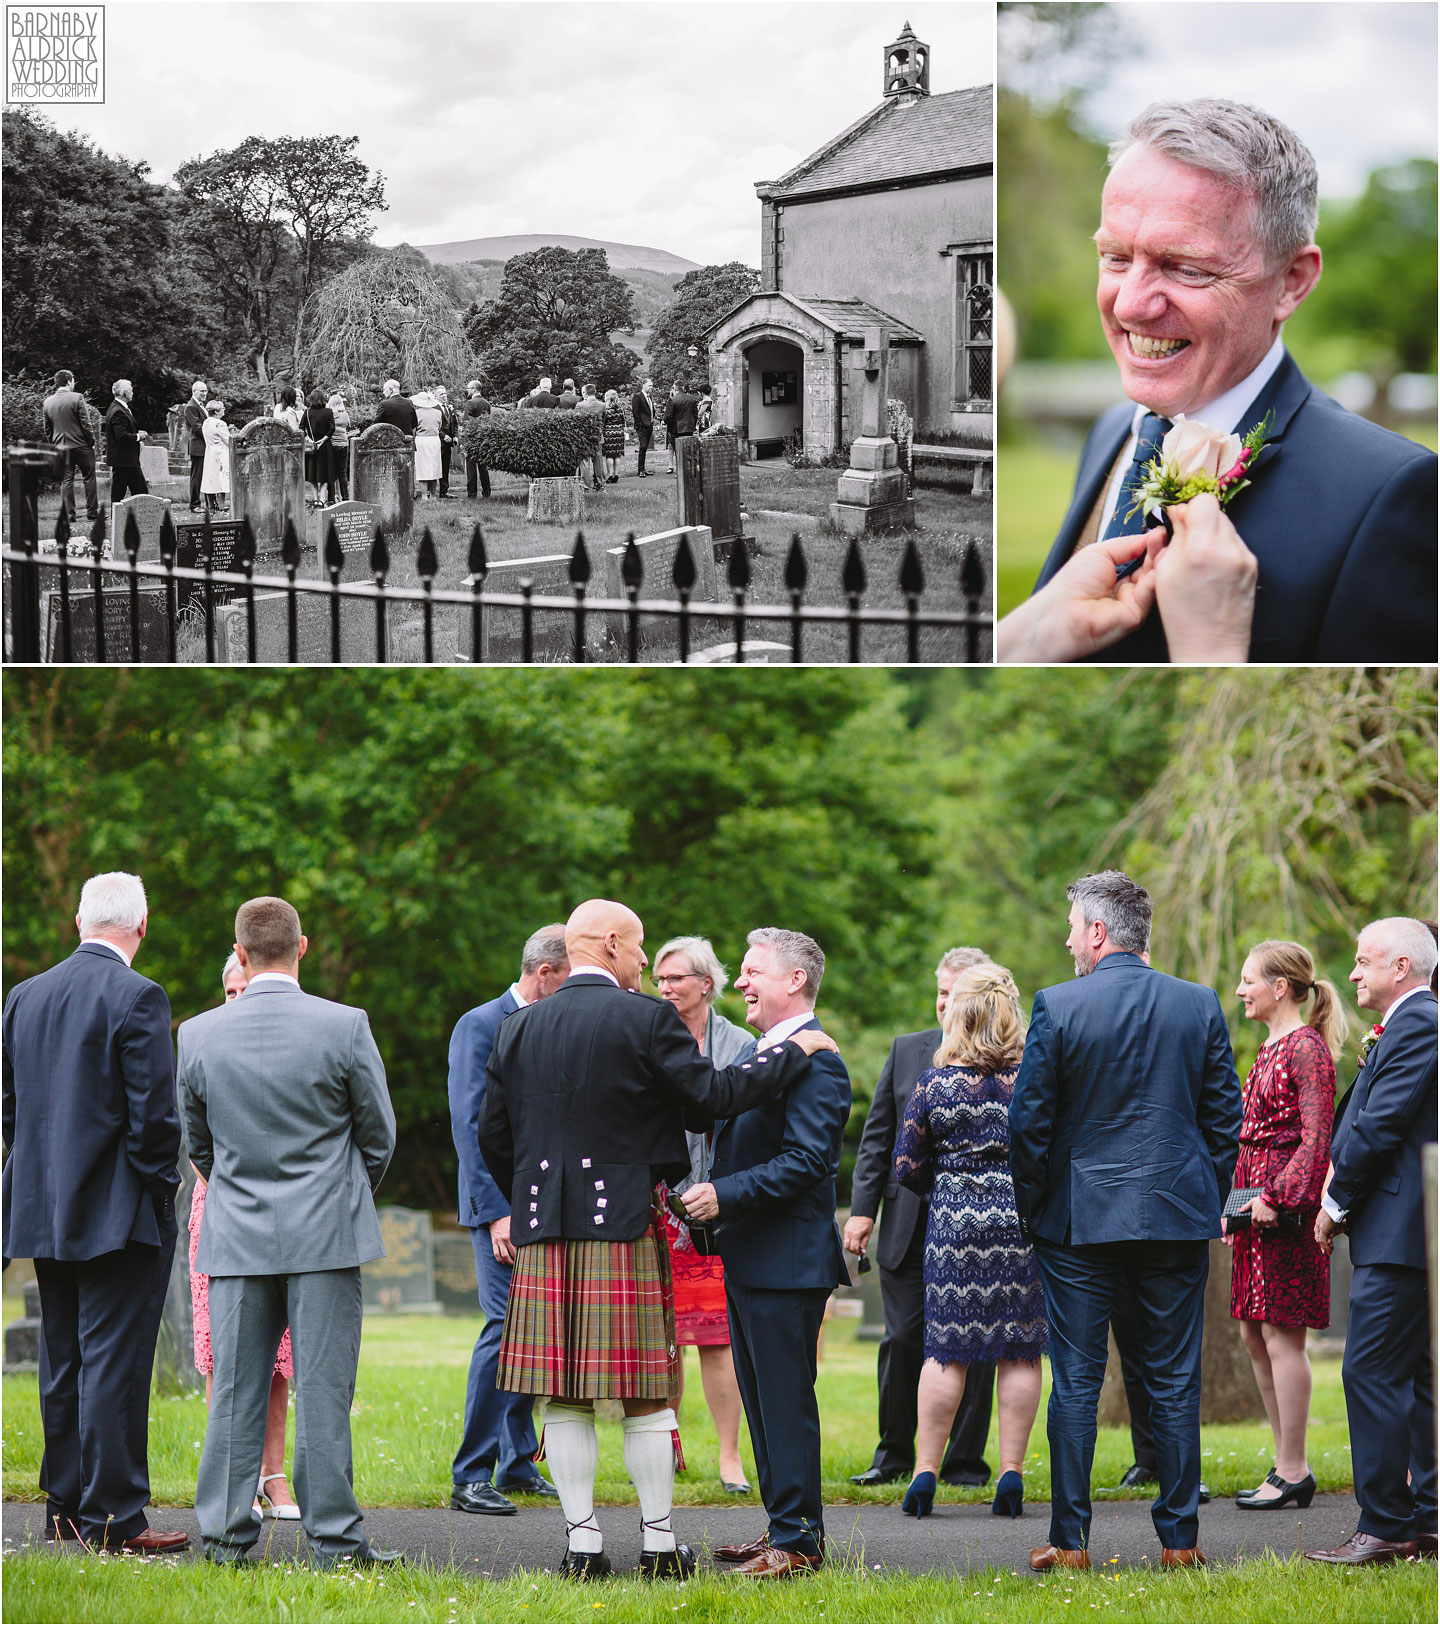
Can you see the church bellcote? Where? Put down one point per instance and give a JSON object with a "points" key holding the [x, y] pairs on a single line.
{"points": [[907, 66]]}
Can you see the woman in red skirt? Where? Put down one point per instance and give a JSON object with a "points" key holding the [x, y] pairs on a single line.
{"points": [[1280, 1283], [689, 975]]}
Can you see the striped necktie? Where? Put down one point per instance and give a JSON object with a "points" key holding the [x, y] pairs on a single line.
{"points": [[1153, 430]]}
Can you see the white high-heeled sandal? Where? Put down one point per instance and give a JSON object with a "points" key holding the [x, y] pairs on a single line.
{"points": [[279, 1510]]}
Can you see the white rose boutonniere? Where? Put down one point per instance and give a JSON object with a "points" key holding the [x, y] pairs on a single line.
{"points": [[1194, 458]]}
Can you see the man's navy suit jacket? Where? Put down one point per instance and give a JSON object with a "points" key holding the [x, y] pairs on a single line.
{"points": [[1125, 1122], [89, 1110], [774, 1176], [1387, 1118], [481, 1200], [1340, 515]]}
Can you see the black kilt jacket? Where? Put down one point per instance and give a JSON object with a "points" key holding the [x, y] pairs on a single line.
{"points": [[587, 1097]]}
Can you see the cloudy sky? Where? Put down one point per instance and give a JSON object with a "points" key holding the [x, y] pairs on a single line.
{"points": [[638, 123]]}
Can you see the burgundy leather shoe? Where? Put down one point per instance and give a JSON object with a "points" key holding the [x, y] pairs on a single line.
{"points": [[1050, 1557], [149, 1543], [1363, 1549], [775, 1564], [1181, 1558], [743, 1551]]}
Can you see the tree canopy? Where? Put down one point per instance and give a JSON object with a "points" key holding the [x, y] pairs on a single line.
{"points": [[701, 298]]}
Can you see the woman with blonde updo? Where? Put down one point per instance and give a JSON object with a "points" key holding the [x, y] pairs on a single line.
{"points": [[982, 1292], [1280, 1283]]}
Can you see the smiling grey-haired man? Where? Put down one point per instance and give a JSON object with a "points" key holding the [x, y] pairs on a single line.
{"points": [[1206, 248]]}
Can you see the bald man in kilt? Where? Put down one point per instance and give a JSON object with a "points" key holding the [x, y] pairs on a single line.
{"points": [[587, 1098]]}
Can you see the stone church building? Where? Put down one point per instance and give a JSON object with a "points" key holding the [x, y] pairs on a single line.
{"points": [[887, 225]]}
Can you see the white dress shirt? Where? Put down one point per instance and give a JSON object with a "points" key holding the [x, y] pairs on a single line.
{"points": [[782, 1030], [271, 976], [594, 971], [105, 942], [517, 996]]}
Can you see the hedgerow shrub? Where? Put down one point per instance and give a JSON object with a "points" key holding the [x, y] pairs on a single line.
{"points": [[536, 443]]}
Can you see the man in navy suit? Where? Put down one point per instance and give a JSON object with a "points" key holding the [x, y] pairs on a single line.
{"points": [[498, 1446], [1207, 247], [89, 1189], [772, 1193], [1376, 1192], [1123, 1133]]}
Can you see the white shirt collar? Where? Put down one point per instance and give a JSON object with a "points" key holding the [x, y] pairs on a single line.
{"points": [[782, 1030], [1384, 1020], [271, 976], [517, 996], [105, 942], [594, 971]]}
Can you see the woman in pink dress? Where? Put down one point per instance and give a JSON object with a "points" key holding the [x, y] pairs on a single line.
{"points": [[1280, 1280], [273, 1492]]}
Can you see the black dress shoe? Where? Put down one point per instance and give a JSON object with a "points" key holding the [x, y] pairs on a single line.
{"points": [[379, 1555], [1135, 1476], [537, 1486], [874, 1476], [586, 1566], [1204, 1493], [678, 1565], [481, 1497]]}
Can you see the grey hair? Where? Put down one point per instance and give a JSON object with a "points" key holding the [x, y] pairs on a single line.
{"points": [[1401, 934], [961, 959], [545, 383], [392, 386], [796, 952], [1248, 149], [1115, 899], [120, 384], [545, 947], [232, 963], [114, 901], [700, 952]]}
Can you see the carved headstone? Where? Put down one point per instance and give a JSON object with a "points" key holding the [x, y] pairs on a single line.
{"points": [[191, 543], [155, 463], [153, 625], [552, 631], [659, 636], [267, 480], [872, 490], [720, 485], [455, 1285], [404, 1280], [22, 1337], [355, 524], [148, 512], [557, 500], [313, 625], [382, 472]]}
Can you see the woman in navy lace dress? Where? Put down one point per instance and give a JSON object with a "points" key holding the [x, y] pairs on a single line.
{"points": [[982, 1292]]}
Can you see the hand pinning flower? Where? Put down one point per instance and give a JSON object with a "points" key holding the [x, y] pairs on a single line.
{"points": [[1195, 458]]}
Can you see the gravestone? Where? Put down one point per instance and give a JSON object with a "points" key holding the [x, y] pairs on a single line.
{"points": [[312, 630], [720, 486], [556, 500], [382, 472], [148, 513], [190, 543], [22, 1337], [153, 625], [267, 480], [403, 1282], [455, 1285], [155, 463], [355, 524], [872, 490], [553, 631], [689, 495], [758, 652], [659, 636]]}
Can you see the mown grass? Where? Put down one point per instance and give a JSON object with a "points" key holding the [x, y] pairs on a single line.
{"points": [[411, 1395], [43, 1587]]}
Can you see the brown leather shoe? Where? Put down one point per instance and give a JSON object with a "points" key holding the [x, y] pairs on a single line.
{"points": [[1425, 1545], [743, 1551], [150, 1542], [1050, 1557], [1363, 1549], [1181, 1558], [776, 1564]]}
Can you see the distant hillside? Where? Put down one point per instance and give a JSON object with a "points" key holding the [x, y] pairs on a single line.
{"points": [[622, 256], [480, 279]]}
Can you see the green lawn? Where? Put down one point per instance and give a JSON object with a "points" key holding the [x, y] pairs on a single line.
{"points": [[411, 1395]]}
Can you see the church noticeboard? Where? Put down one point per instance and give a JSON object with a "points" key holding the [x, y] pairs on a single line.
{"points": [[779, 389]]}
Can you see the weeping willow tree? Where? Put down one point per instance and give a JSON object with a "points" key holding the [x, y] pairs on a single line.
{"points": [[387, 316], [1294, 804]]}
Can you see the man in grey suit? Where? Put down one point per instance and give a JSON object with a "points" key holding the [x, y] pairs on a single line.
{"points": [[288, 1119]]}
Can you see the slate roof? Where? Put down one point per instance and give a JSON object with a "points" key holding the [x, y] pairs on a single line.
{"points": [[847, 317], [903, 139]]}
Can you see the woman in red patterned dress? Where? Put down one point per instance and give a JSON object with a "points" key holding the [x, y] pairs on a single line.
{"points": [[689, 975], [1280, 1283]]}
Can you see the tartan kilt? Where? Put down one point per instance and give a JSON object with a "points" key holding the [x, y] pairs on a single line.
{"points": [[591, 1320]]}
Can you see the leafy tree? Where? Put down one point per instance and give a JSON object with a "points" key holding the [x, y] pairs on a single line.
{"points": [[554, 315], [94, 278], [701, 298]]}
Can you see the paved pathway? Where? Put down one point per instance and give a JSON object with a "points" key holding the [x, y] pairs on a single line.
{"points": [[956, 1536]]}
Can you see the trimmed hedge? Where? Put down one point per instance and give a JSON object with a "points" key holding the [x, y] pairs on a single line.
{"points": [[534, 443]]}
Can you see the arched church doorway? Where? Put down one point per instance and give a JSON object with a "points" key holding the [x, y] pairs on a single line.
{"points": [[774, 395]]}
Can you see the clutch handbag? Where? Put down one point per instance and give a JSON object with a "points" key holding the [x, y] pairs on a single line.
{"points": [[702, 1236], [1288, 1219]]}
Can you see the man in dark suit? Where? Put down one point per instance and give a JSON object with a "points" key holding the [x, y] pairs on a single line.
{"points": [[1124, 1128], [541, 398], [902, 1260], [66, 416], [449, 428], [476, 406], [195, 423], [397, 408], [1376, 1191], [497, 1448], [642, 411], [1206, 248], [772, 1194], [681, 414], [89, 1195], [587, 1098], [567, 400], [122, 445]]}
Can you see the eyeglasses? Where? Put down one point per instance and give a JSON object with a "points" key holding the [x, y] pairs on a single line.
{"points": [[672, 978]]}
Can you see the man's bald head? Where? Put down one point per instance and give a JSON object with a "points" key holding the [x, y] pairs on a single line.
{"points": [[603, 933]]}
